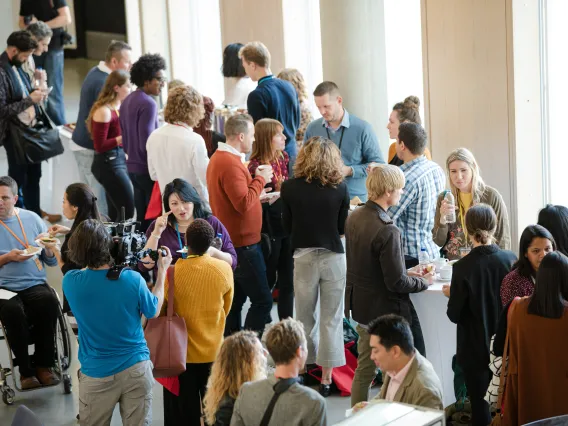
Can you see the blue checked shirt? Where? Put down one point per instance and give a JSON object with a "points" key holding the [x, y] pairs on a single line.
{"points": [[414, 214]]}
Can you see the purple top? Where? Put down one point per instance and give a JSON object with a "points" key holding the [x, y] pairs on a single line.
{"points": [[169, 239], [138, 118]]}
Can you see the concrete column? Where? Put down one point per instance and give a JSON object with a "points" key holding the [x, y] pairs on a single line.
{"points": [[354, 57]]}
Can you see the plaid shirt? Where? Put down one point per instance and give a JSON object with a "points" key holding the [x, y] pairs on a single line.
{"points": [[414, 214]]}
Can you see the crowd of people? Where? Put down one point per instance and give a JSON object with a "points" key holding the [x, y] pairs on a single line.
{"points": [[276, 200]]}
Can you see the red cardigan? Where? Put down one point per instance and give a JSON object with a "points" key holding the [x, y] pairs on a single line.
{"points": [[105, 134], [234, 197]]}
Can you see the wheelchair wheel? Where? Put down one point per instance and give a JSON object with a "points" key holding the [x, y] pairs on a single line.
{"points": [[8, 395], [67, 385], [63, 342]]}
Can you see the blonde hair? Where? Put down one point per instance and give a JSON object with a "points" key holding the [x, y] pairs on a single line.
{"points": [[264, 131], [319, 159], [238, 362], [175, 83], [107, 95], [384, 178], [283, 340], [297, 79], [477, 184], [185, 105], [256, 52]]}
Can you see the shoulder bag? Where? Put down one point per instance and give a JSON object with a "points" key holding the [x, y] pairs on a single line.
{"points": [[279, 388], [167, 338]]}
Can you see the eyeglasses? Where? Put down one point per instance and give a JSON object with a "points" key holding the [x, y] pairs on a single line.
{"points": [[161, 79]]}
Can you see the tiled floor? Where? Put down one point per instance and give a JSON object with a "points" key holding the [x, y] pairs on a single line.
{"points": [[53, 407]]}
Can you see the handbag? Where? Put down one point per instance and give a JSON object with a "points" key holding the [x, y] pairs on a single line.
{"points": [[155, 205], [32, 145], [266, 238], [167, 338]]}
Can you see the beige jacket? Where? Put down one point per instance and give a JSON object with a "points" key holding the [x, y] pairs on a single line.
{"points": [[421, 386], [452, 237]]}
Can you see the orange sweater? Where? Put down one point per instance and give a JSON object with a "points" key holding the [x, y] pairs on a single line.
{"points": [[234, 197], [203, 295]]}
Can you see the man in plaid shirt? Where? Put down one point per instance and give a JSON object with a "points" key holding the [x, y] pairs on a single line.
{"points": [[414, 214]]}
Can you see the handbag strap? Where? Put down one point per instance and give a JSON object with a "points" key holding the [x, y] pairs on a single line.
{"points": [[279, 388], [504, 360], [266, 219], [171, 274]]}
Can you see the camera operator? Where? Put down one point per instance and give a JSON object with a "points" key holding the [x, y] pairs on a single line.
{"points": [[115, 360], [56, 14]]}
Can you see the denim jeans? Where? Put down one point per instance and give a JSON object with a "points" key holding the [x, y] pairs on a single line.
{"points": [[84, 159], [110, 170], [143, 186], [292, 151], [27, 176], [52, 62], [251, 282]]}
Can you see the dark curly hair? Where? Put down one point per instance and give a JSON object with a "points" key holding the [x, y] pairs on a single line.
{"points": [[146, 68], [89, 246], [199, 236]]}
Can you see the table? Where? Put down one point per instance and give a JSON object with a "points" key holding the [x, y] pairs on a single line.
{"points": [[439, 335]]}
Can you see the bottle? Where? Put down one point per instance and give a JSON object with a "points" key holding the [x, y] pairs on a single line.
{"points": [[217, 242], [449, 198], [423, 258]]}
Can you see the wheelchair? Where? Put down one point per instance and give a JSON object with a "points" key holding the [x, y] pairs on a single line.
{"points": [[62, 355]]}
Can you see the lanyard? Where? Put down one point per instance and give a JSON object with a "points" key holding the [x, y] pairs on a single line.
{"points": [[115, 110], [26, 245], [340, 139], [183, 255]]}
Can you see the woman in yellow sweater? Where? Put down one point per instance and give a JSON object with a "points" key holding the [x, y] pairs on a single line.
{"points": [[203, 293]]}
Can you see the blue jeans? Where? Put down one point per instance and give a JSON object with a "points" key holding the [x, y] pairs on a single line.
{"points": [[292, 151], [52, 62], [251, 282]]}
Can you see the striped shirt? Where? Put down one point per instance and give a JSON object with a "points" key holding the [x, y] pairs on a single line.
{"points": [[414, 215]]}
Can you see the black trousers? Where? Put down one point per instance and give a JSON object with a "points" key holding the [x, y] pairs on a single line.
{"points": [[27, 176], [280, 271], [109, 168], [36, 306], [143, 186], [477, 381], [416, 330], [185, 409]]}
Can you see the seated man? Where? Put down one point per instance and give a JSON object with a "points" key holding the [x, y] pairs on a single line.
{"points": [[296, 404], [35, 303], [409, 378]]}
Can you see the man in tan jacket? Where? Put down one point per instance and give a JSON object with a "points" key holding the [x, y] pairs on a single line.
{"points": [[409, 377]]}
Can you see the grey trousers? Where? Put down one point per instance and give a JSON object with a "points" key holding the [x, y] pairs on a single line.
{"points": [[366, 368], [131, 389], [319, 288]]}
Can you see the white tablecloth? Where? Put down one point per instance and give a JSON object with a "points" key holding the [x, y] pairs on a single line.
{"points": [[439, 335]]}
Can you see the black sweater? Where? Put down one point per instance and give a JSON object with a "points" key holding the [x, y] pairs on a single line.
{"points": [[314, 215], [475, 302]]}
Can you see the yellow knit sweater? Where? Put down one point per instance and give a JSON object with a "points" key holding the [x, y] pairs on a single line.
{"points": [[203, 295]]}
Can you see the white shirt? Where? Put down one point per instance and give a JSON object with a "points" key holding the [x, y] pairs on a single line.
{"points": [[176, 151], [222, 146], [237, 90]]}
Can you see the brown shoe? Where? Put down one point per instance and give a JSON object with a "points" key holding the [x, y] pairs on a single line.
{"points": [[28, 383], [51, 218], [46, 377]]}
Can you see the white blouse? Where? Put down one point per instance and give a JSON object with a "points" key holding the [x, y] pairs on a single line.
{"points": [[237, 90]]}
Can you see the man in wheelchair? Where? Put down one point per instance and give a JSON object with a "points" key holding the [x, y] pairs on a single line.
{"points": [[35, 304]]}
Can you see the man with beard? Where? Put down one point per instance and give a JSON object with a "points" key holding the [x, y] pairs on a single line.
{"points": [[16, 96]]}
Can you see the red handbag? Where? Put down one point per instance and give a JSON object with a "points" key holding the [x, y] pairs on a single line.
{"points": [[167, 339], [155, 205]]}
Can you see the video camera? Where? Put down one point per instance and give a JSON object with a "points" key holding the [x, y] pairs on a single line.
{"points": [[127, 247]]}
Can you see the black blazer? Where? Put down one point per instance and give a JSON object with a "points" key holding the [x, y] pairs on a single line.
{"points": [[475, 301], [314, 215], [377, 283]]}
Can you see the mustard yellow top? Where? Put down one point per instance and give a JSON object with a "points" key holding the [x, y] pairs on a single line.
{"points": [[203, 295], [464, 205]]}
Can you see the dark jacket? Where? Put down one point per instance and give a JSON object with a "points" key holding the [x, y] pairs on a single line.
{"points": [[377, 283], [314, 215], [224, 411], [10, 103], [475, 301]]}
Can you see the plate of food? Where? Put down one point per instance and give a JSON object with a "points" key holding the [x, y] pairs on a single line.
{"points": [[32, 251]]}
